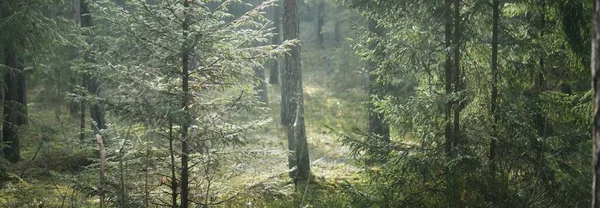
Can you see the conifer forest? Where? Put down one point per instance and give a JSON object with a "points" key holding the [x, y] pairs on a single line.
{"points": [[299, 103]]}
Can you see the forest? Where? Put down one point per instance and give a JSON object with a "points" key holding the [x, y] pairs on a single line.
{"points": [[299, 103]]}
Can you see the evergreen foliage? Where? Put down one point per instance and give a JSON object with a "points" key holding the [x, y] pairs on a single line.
{"points": [[455, 103]]}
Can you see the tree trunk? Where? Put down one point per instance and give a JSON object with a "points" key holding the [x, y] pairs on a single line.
{"points": [[96, 109], [274, 72], [543, 129], [494, 94], [76, 15], [376, 123], [448, 77], [102, 171], [457, 76], [320, 21], [596, 111], [15, 105], [82, 112], [259, 75], [337, 33], [184, 104], [173, 184], [292, 97], [261, 88], [454, 175]]}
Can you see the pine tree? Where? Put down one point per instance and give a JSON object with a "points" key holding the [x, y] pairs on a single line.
{"points": [[196, 96], [292, 98]]}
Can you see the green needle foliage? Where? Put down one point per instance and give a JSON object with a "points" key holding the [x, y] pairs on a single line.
{"points": [[137, 50], [542, 112]]}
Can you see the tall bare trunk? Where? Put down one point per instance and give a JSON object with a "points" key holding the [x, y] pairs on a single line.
{"points": [[15, 105], [274, 71], [184, 104], [494, 94], [457, 76], [320, 21], [96, 109], [454, 176], [173, 184], [448, 76], [596, 111], [102, 173], [294, 98], [259, 75]]}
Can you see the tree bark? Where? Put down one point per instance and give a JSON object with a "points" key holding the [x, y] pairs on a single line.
{"points": [[184, 104], [261, 87], [543, 128], [15, 105], [173, 184], [457, 76], [454, 176], [320, 21], [259, 75], [82, 112], [448, 76], [293, 96], [76, 15], [494, 94], [596, 112], [96, 109], [102, 171], [337, 33], [274, 70]]}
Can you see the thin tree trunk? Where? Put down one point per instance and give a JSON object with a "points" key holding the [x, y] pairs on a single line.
{"points": [[490, 195], [102, 162], [596, 112], [261, 87], [293, 96], [376, 121], [184, 104], [494, 94], [259, 75], [320, 21], [546, 176], [82, 113], [448, 76], [457, 76], [274, 69], [456, 133], [173, 184], [76, 14], [96, 109], [337, 33], [146, 173]]}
